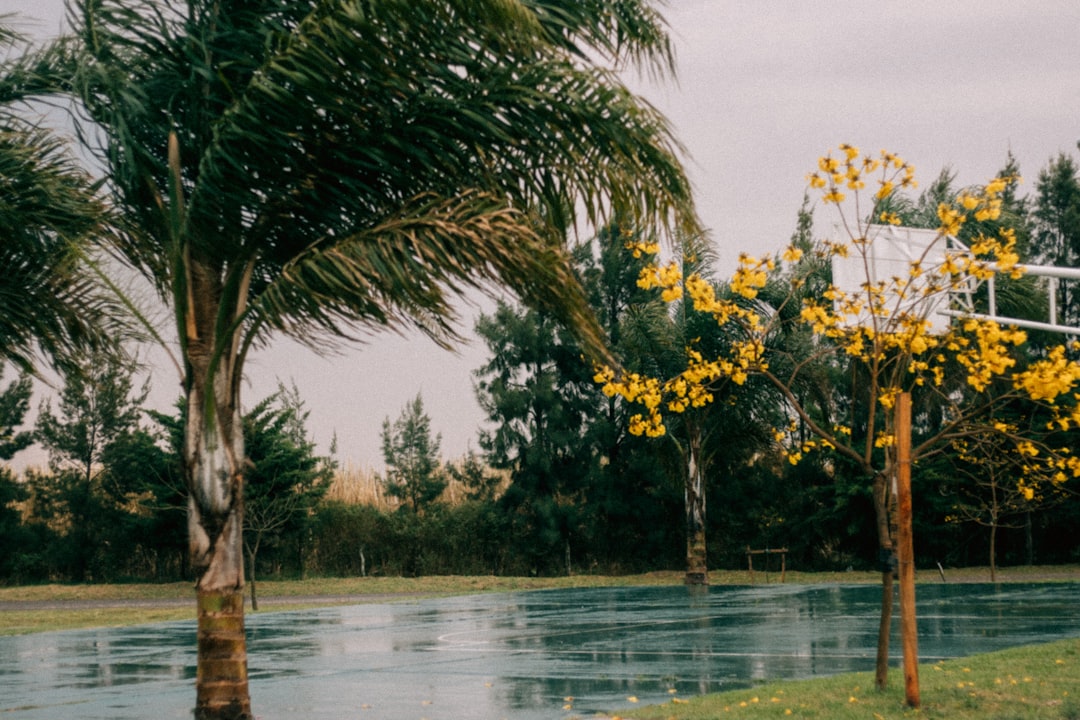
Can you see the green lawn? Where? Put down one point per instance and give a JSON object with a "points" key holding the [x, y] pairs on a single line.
{"points": [[1026, 683]]}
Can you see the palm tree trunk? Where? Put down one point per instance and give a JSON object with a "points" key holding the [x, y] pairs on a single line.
{"points": [[214, 450], [221, 674]]}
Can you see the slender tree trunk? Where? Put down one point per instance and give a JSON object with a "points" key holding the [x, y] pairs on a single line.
{"points": [[881, 668], [1029, 540], [993, 551], [253, 549], [214, 452], [696, 561], [886, 557]]}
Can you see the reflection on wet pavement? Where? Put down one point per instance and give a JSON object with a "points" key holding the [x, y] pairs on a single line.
{"points": [[526, 656]]}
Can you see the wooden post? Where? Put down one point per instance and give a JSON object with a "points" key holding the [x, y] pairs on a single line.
{"points": [[905, 551]]}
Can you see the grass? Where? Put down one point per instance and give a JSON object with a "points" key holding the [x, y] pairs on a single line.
{"points": [[139, 603], [1035, 682]]}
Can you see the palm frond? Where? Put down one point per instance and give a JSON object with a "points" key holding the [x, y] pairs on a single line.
{"points": [[410, 268], [48, 305], [306, 132]]}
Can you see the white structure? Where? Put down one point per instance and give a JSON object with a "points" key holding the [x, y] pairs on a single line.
{"points": [[1053, 275], [887, 258]]}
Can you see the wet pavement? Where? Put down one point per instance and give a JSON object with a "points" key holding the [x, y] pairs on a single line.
{"points": [[524, 656]]}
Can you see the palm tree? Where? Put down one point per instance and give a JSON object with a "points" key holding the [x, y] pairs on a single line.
{"points": [[324, 168], [48, 307]]}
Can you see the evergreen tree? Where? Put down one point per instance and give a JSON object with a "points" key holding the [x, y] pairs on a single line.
{"points": [[97, 407], [14, 404], [536, 393], [1056, 240], [413, 467], [285, 480], [473, 474]]}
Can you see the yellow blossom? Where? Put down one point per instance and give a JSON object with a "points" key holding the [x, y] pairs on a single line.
{"points": [[792, 254]]}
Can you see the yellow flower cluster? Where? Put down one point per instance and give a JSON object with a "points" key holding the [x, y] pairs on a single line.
{"points": [[970, 205], [668, 278], [651, 426], [641, 247], [986, 356], [820, 317], [1050, 377], [690, 388], [835, 175], [1001, 251], [807, 447], [703, 296], [884, 440], [751, 275], [635, 388], [887, 397]]}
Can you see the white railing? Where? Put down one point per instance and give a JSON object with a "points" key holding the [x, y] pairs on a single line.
{"points": [[1052, 275]]}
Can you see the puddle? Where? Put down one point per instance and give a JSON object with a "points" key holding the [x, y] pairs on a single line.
{"points": [[518, 655]]}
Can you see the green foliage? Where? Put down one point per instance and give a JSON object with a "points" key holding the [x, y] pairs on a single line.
{"points": [[413, 467], [14, 404], [285, 480], [49, 305], [1056, 238], [98, 404], [18, 541], [83, 501], [537, 396], [472, 473]]}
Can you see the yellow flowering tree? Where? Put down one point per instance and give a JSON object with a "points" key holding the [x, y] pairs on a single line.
{"points": [[997, 483], [889, 332], [673, 343]]}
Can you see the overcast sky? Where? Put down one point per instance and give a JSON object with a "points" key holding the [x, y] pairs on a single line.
{"points": [[763, 89]]}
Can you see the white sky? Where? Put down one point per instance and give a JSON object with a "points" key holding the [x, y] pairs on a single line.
{"points": [[764, 89]]}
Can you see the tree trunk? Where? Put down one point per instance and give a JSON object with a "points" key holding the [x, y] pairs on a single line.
{"points": [[696, 561], [1029, 540], [881, 668], [887, 559], [253, 549], [993, 550], [213, 453], [221, 674]]}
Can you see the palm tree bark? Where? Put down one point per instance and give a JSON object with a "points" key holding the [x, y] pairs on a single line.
{"points": [[215, 519], [214, 463]]}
